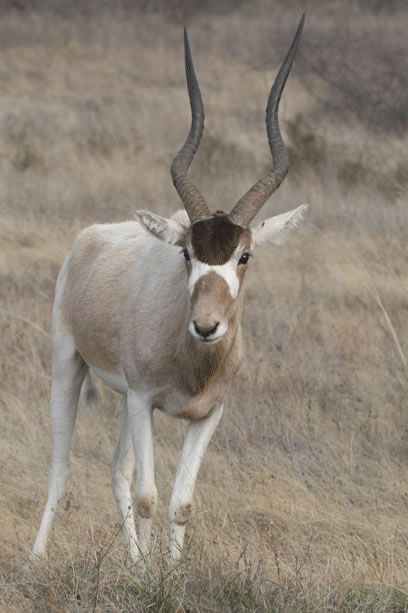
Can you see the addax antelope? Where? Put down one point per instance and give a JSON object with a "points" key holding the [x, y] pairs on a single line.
{"points": [[153, 308]]}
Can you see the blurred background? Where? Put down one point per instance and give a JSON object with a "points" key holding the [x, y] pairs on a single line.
{"points": [[302, 499]]}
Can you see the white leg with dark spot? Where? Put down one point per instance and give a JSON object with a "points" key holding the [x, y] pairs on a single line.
{"points": [[197, 438], [68, 374], [140, 420], [123, 467]]}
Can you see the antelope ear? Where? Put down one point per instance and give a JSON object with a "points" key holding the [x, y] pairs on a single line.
{"points": [[275, 230], [168, 230]]}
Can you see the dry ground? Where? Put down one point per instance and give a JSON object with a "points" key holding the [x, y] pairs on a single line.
{"points": [[302, 502]]}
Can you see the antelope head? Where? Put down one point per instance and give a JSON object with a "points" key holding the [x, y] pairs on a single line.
{"points": [[217, 246]]}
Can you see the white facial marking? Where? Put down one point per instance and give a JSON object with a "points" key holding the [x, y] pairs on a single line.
{"points": [[227, 271]]}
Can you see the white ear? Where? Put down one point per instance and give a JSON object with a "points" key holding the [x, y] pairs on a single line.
{"points": [[275, 229], [168, 230], [182, 218]]}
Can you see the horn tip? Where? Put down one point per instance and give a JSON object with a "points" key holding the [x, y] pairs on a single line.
{"points": [[186, 41]]}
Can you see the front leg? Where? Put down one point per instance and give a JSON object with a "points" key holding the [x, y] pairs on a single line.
{"points": [[198, 436], [140, 418]]}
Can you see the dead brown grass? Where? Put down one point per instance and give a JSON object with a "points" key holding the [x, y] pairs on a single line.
{"points": [[302, 500]]}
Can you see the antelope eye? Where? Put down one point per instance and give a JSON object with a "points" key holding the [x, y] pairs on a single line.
{"points": [[186, 255], [244, 258]]}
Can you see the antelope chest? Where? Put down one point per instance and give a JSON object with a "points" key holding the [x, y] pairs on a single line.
{"points": [[172, 400], [181, 404]]}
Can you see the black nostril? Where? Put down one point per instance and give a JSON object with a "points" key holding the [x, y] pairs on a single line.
{"points": [[205, 331]]}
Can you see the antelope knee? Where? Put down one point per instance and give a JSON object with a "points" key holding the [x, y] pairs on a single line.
{"points": [[180, 513], [146, 504]]}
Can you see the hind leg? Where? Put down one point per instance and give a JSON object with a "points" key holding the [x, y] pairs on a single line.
{"points": [[123, 467], [68, 372]]}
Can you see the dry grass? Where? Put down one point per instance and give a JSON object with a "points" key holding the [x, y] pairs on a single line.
{"points": [[302, 500]]}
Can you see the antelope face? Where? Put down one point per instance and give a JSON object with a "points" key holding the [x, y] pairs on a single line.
{"points": [[217, 253]]}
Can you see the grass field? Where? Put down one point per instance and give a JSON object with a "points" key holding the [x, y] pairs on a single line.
{"points": [[302, 501]]}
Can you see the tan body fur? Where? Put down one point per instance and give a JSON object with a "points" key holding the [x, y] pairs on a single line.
{"points": [[124, 301]]}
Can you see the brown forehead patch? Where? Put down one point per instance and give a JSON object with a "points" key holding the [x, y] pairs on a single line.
{"points": [[214, 240]]}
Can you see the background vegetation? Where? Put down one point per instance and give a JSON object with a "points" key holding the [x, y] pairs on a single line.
{"points": [[302, 500]]}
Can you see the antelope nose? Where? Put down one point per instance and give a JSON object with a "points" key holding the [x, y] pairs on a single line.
{"points": [[205, 331]]}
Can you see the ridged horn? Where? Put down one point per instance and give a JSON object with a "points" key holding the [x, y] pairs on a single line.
{"points": [[251, 202], [191, 197]]}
